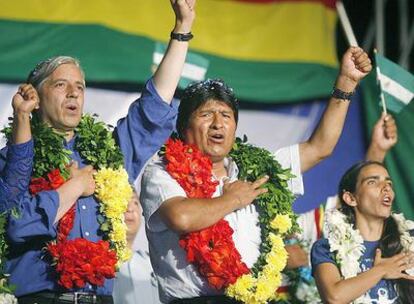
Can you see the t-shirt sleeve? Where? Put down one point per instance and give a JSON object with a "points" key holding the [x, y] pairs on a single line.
{"points": [[320, 253], [157, 186], [289, 157]]}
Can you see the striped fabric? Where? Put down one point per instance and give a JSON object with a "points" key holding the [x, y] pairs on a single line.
{"points": [[268, 50]]}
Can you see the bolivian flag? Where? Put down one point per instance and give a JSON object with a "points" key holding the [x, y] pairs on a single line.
{"points": [[268, 50]]}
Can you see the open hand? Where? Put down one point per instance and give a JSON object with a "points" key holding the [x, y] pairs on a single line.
{"points": [[84, 178], [245, 192], [395, 266]]}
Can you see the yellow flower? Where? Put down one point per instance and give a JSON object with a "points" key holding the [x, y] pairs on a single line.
{"points": [[276, 241], [118, 233], [240, 290], [264, 290], [114, 191], [281, 223]]}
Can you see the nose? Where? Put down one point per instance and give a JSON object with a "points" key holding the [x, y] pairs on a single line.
{"points": [[72, 91], [217, 120], [386, 187]]}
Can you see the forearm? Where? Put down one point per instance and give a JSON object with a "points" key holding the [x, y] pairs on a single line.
{"points": [[169, 71], [325, 137], [21, 128], [346, 291], [188, 215], [69, 193], [375, 153]]}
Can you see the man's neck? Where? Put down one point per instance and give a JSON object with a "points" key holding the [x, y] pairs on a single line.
{"points": [[68, 135], [219, 170]]}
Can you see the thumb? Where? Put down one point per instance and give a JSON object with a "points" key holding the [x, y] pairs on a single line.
{"points": [[74, 164], [378, 254]]}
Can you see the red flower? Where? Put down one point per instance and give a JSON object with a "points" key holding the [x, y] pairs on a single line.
{"points": [[212, 249], [80, 261], [38, 185], [55, 179], [77, 261]]}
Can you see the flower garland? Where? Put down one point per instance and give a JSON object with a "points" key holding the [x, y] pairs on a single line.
{"points": [[212, 249], [348, 245], [80, 261]]}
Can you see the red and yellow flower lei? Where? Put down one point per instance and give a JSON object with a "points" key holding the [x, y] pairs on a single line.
{"points": [[212, 249], [80, 261]]}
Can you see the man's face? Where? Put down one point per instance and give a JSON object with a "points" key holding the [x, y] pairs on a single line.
{"points": [[212, 129], [62, 97], [374, 193]]}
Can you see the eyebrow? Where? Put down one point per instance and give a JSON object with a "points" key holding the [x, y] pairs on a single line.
{"points": [[376, 177], [65, 80], [212, 110]]}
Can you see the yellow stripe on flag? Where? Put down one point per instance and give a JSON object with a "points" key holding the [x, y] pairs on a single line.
{"points": [[277, 32]]}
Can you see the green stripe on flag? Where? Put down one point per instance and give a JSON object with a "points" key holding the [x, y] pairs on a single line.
{"points": [[112, 56], [396, 83], [194, 69]]}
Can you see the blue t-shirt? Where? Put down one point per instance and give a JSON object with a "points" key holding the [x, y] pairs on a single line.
{"points": [[382, 293]]}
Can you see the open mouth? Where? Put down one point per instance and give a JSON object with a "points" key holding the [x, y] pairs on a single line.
{"points": [[387, 200], [217, 138], [73, 108]]}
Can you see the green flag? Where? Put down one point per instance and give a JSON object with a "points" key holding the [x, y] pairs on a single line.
{"points": [[195, 66], [396, 84]]}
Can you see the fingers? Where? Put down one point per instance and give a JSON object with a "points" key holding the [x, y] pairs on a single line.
{"points": [[377, 255], [390, 127], [361, 60], [260, 182], [406, 277]]}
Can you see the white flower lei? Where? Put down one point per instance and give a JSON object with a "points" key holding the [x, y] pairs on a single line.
{"points": [[348, 244]]}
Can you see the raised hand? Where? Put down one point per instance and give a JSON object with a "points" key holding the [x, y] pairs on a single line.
{"points": [[355, 64], [245, 192], [384, 133], [25, 100], [395, 266], [184, 15]]}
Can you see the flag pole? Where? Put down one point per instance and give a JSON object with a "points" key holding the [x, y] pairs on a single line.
{"points": [[350, 36], [346, 25], [384, 108]]}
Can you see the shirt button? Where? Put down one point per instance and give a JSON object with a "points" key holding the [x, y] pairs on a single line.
{"points": [[87, 233], [83, 207]]}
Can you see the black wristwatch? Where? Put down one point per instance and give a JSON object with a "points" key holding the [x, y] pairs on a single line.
{"points": [[181, 37], [339, 94]]}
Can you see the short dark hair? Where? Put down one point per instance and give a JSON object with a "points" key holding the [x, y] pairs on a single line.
{"points": [[197, 94]]}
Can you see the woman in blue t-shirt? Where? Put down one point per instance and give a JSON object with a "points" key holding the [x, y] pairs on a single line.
{"points": [[372, 267]]}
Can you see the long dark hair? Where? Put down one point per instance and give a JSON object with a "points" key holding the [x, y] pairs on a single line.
{"points": [[390, 241]]}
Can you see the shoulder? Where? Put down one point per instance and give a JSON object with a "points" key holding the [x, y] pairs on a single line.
{"points": [[321, 253]]}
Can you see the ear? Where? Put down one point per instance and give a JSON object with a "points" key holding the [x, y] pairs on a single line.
{"points": [[349, 199]]}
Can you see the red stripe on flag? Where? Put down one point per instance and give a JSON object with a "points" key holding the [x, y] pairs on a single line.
{"points": [[327, 3], [317, 223]]}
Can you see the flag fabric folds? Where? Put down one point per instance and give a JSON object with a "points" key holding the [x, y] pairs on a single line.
{"points": [[396, 84], [267, 50]]}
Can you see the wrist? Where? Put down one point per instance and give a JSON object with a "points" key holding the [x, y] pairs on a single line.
{"points": [[181, 28], [345, 83], [21, 115]]}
